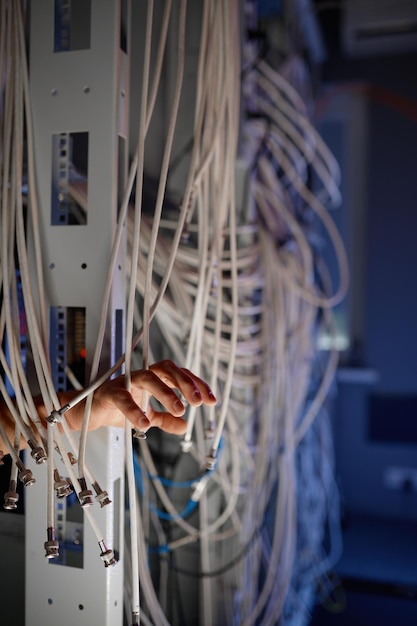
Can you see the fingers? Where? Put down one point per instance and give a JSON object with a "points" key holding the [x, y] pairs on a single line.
{"points": [[195, 390], [159, 381], [148, 381], [126, 404], [167, 422]]}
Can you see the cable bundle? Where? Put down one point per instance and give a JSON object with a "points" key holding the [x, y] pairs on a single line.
{"points": [[263, 306], [237, 297]]}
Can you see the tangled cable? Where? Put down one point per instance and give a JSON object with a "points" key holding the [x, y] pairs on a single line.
{"points": [[235, 292]]}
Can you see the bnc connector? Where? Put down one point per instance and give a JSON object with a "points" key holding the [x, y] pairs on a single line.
{"points": [[56, 416], [11, 497], [26, 477], [186, 445], [61, 485], [85, 495], [211, 460], [135, 619], [140, 434], [101, 496], [51, 545], [106, 555], [37, 453]]}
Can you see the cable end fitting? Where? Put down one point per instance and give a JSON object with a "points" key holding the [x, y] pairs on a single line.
{"points": [[37, 453], [135, 619], [62, 488], [51, 545], [186, 445], [11, 497], [56, 416], [211, 460], [26, 477], [85, 497], [103, 499], [107, 555], [199, 487], [140, 434]]}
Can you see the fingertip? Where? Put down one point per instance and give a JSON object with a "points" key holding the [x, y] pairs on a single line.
{"points": [[196, 397], [178, 407], [144, 423], [212, 398]]}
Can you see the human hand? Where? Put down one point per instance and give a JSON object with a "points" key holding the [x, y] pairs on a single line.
{"points": [[113, 403]]}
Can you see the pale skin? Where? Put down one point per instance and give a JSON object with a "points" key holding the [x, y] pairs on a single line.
{"points": [[113, 404]]}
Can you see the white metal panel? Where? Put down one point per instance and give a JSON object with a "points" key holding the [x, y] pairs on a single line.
{"points": [[75, 91]]}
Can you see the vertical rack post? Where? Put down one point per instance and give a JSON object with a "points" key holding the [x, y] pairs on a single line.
{"points": [[79, 82]]}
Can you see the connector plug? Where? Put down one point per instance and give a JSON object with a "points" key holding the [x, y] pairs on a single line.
{"points": [[140, 434], [86, 495], [37, 453], [102, 497], [25, 474], [61, 485], [11, 497], [106, 555], [51, 545]]}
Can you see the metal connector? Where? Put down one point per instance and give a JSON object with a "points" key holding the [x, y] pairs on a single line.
{"points": [[186, 445], [37, 453], [140, 434], [51, 545], [135, 619], [26, 477], [11, 497], [72, 458], [211, 460], [101, 496], [106, 555], [86, 495], [56, 416], [61, 485], [199, 487], [209, 432]]}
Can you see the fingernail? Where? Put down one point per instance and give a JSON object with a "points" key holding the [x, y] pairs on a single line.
{"points": [[178, 406], [196, 396], [212, 396]]}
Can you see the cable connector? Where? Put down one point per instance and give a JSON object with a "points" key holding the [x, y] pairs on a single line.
{"points": [[25, 474], [135, 619], [85, 495], [61, 485], [186, 445], [199, 486], [11, 497], [102, 496], [209, 432], [51, 545], [37, 453], [140, 434], [56, 416], [211, 460], [72, 458], [106, 555]]}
